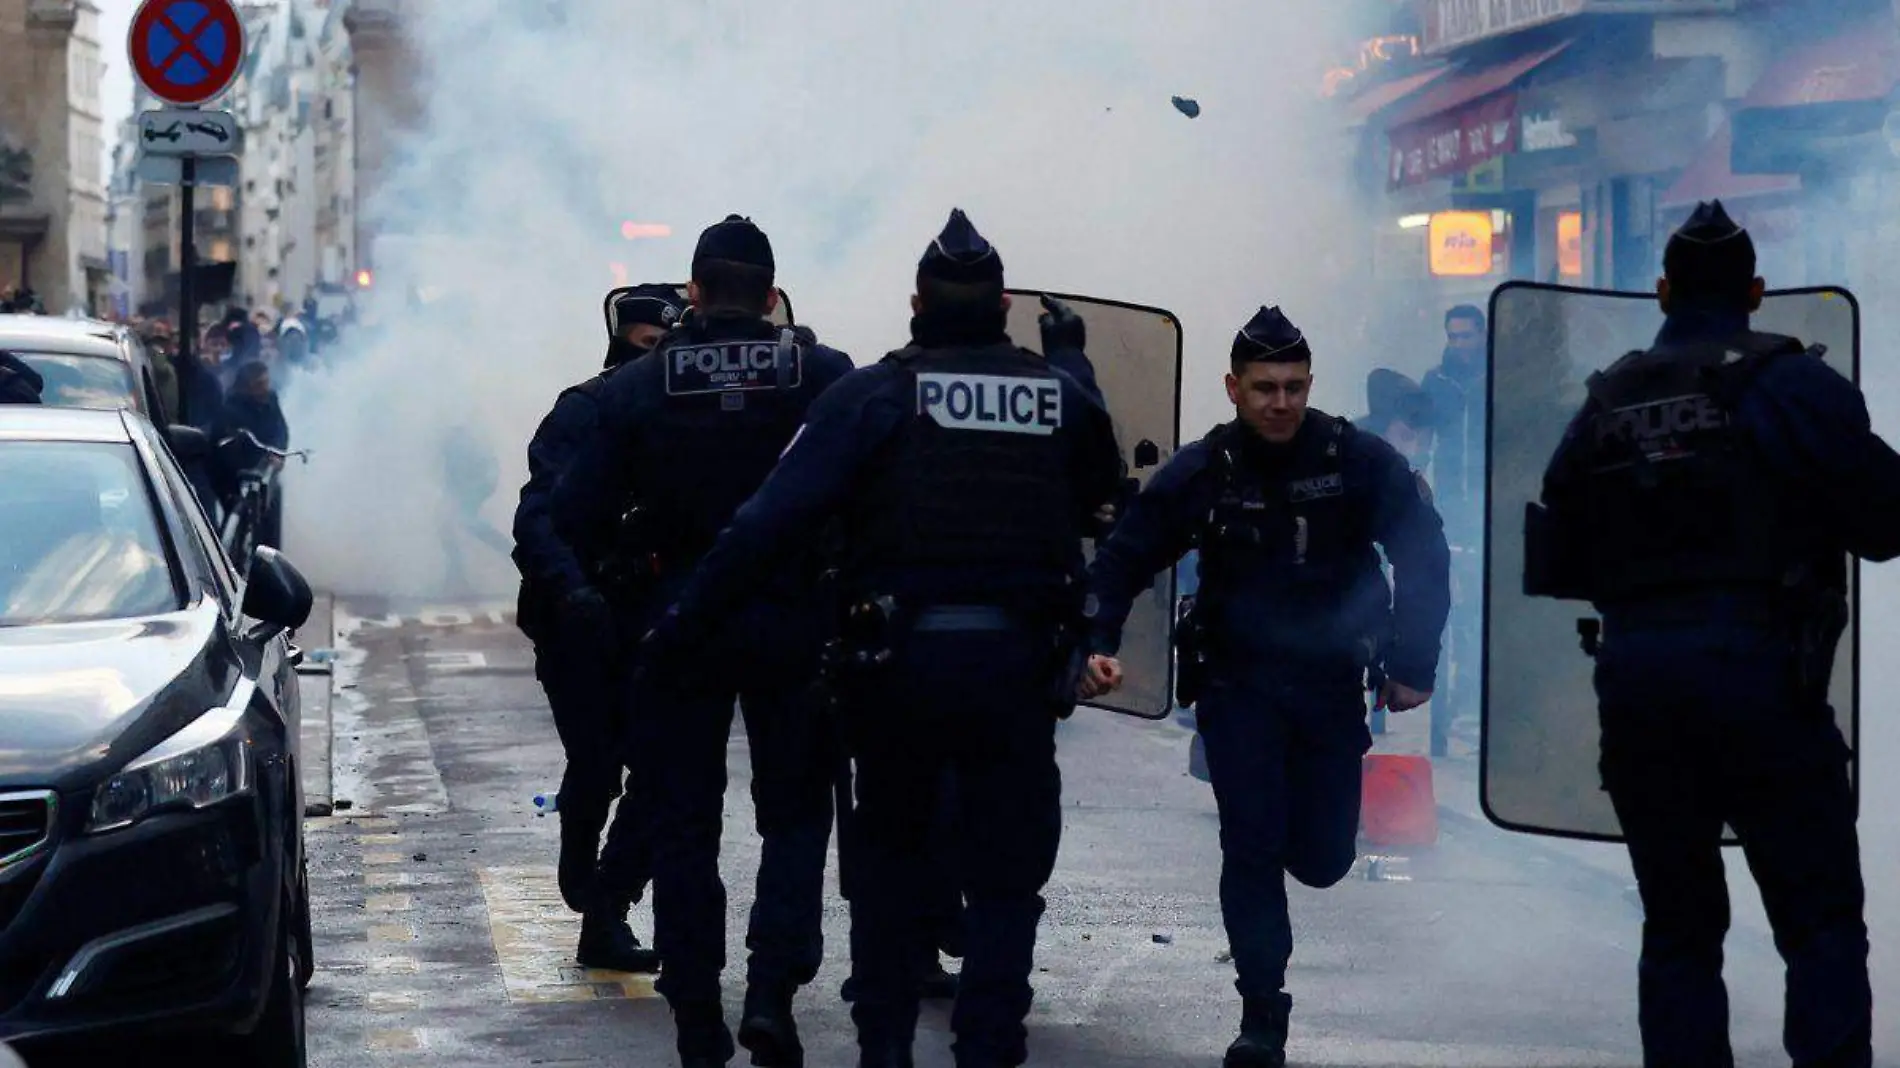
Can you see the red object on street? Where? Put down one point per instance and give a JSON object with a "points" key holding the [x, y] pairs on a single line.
{"points": [[1397, 806]]}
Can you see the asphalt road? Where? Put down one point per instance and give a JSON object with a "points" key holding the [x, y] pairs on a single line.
{"points": [[441, 939]]}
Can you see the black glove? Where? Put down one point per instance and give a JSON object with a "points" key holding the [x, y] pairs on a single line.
{"points": [[585, 614], [1062, 329]]}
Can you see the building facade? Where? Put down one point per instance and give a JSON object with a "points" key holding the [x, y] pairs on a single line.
{"points": [[52, 129]]}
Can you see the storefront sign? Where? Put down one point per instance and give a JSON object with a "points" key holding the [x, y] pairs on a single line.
{"points": [[1454, 142], [1461, 244], [1570, 245], [1449, 24], [1544, 131]]}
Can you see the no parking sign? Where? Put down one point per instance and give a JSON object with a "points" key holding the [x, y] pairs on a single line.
{"points": [[186, 52]]}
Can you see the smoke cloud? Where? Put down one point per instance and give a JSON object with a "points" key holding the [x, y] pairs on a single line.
{"points": [[847, 131]]}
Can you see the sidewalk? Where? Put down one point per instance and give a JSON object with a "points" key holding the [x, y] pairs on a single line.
{"points": [[317, 639]]}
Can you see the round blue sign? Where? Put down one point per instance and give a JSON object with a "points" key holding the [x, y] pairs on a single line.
{"points": [[187, 45]]}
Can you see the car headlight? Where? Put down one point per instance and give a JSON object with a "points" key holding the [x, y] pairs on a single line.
{"points": [[206, 762]]}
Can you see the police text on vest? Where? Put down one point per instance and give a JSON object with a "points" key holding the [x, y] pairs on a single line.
{"points": [[730, 365], [991, 402]]}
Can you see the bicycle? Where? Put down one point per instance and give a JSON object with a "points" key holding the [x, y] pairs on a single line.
{"points": [[256, 496]]}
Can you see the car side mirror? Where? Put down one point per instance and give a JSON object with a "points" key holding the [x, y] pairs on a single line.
{"points": [[188, 442], [275, 593]]}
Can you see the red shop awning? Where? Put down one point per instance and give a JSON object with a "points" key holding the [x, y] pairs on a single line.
{"points": [[1469, 85], [1379, 97], [1710, 177], [1459, 121]]}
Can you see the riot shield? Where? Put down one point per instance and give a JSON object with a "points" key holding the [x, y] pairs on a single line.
{"points": [[1538, 759], [781, 317], [1137, 356]]}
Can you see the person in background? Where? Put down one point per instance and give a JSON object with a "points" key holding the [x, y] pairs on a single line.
{"points": [[1457, 388], [1400, 411], [252, 406]]}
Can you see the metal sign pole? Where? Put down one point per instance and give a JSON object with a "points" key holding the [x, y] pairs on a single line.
{"points": [[187, 302]]}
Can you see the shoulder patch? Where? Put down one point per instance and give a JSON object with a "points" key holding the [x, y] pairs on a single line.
{"points": [[731, 367], [1002, 403]]}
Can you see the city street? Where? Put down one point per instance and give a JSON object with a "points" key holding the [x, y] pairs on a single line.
{"points": [[441, 939]]}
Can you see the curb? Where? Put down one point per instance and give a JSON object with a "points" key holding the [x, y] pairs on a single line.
{"points": [[316, 681]]}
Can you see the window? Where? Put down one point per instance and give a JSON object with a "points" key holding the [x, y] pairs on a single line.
{"points": [[79, 381], [205, 539], [79, 536]]}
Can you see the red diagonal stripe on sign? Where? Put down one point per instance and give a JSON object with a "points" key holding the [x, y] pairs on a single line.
{"points": [[188, 44]]}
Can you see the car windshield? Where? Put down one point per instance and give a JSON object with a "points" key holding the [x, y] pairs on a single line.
{"points": [[79, 536], [78, 381]]}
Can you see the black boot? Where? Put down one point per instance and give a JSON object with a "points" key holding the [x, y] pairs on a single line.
{"points": [[704, 1041], [608, 943], [1262, 1041], [768, 1030], [580, 853]]}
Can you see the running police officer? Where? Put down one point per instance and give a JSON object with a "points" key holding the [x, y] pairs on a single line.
{"points": [[1719, 571], [966, 471], [688, 432], [565, 614], [1286, 505]]}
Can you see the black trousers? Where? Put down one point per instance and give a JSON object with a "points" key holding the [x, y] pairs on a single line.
{"points": [[976, 707], [1703, 726]]}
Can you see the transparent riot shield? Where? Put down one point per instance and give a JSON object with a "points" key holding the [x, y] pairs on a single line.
{"points": [[1137, 355], [782, 316], [1540, 729]]}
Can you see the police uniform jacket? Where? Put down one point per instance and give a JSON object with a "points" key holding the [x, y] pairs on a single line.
{"points": [[550, 569], [1822, 482], [850, 454], [1290, 576], [688, 432]]}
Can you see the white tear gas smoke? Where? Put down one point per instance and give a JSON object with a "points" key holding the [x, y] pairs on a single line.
{"points": [[847, 131]]}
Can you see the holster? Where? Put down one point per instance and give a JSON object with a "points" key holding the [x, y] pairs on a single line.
{"points": [[1816, 642], [632, 567], [1554, 565], [1191, 653]]}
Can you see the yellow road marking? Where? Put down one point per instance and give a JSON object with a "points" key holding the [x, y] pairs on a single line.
{"points": [[378, 839], [382, 858], [394, 965], [534, 935], [391, 933], [383, 879], [388, 903], [393, 1040], [393, 1001]]}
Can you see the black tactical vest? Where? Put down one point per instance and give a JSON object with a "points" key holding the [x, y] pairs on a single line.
{"points": [[976, 481], [1288, 566], [734, 392], [1675, 498]]}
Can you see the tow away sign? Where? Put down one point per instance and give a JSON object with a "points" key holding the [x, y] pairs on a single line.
{"points": [[189, 132]]}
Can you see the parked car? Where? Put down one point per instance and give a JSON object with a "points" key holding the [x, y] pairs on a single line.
{"points": [[86, 363], [152, 870]]}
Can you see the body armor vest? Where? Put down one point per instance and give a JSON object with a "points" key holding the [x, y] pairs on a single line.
{"points": [[974, 495], [735, 392], [1675, 499], [1288, 567]]}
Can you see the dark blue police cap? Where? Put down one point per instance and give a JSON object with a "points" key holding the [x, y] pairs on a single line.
{"points": [[736, 240], [653, 305], [961, 255], [1709, 254], [1270, 337]]}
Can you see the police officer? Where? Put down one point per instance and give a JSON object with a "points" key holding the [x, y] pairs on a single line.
{"points": [[1721, 581], [965, 471], [688, 432], [1286, 505], [565, 614]]}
